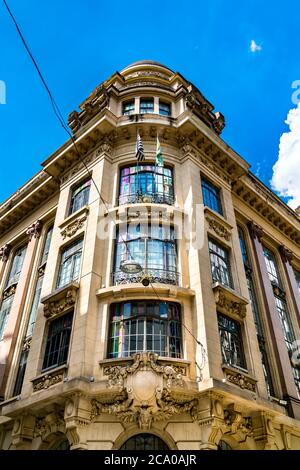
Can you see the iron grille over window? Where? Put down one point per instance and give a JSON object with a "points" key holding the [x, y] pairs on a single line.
{"points": [[145, 326], [70, 264], [211, 196], [146, 105], [146, 183], [128, 108], [164, 108], [80, 196], [57, 346], [220, 266], [153, 247], [231, 342]]}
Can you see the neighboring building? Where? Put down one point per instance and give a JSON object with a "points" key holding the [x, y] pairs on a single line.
{"points": [[197, 350]]}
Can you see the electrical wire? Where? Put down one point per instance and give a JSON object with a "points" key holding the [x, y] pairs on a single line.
{"points": [[60, 118]]}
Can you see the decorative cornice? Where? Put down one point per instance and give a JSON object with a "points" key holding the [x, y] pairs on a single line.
{"points": [[4, 252], [286, 255], [48, 379], [35, 229], [60, 301], [229, 302], [238, 378], [72, 228], [255, 231], [173, 375], [218, 228]]}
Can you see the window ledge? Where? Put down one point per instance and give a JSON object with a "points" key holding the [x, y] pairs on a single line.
{"points": [[49, 377], [240, 377], [118, 361], [130, 291], [229, 301], [140, 209], [61, 300]]}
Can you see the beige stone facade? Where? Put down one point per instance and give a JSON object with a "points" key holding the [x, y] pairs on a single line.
{"points": [[211, 367]]}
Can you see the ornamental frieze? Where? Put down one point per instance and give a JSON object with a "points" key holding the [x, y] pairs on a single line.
{"points": [[60, 301], [218, 228], [172, 375], [229, 302], [241, 380], [48, 380], [72, 228]]}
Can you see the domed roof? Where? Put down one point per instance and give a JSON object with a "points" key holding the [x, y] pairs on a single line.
{"points": [[146, 62]]}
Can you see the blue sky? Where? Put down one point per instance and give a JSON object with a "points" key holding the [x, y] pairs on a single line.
{"points": [[80, 43]]}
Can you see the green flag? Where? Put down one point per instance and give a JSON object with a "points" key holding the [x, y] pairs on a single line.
{"points": [[159, 158]]}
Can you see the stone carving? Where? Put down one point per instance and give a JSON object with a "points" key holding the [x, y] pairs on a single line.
{"points": [[51, 423], [11, 290], [61, 302], [229, 303], [173, 375], [27, 343], [4, 252], [218, 228], [255, 231], [73, 227], [47, 380], [286, 255], [95, 103], [34, 230], [237, 423], [145, 413], [239, 379], [147, 73]]}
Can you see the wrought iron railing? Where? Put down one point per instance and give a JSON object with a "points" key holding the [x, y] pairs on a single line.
{"points": [[163, 276], [140, 197]]}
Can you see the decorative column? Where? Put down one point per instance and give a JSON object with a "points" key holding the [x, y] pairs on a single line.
{"points": [[279, 347], [287, 256], [12, 329]]}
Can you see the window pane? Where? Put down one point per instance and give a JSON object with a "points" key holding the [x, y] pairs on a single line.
{"points": [[231, 342], [58, 340], [70, 264], [21, 373], [146, 105], [80, 196], [35, 305], [220, 267], [157, 329], [271, 267], [128, 108], [4, 314], [211, 196], [164, 108], [16, 267], [47, 246]]}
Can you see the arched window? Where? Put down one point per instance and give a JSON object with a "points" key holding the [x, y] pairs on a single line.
{"points": [[144, 442]]}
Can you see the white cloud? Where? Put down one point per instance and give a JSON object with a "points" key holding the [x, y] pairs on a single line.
{"points": [[286, 171], [254, 47]]}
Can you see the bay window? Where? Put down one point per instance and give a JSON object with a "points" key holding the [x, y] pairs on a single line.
{"points": [[139, 326]]}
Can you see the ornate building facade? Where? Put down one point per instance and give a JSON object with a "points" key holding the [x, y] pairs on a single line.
{"points": [[148, 305]]}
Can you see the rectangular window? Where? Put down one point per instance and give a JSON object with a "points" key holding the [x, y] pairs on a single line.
{"points": [[164, 108], [80, 196], [16, 266], [220, 266], [128, 108], [21, 373], [4, 314], [34, 306], [146, 105], [231, 342], [57, 346], [70, 264], [47, 246], [211, 196], [271, 267]]}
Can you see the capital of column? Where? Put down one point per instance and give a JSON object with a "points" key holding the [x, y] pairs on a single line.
{"points": [[35, 229], [255, 231], [286, 255], [4, 252]]}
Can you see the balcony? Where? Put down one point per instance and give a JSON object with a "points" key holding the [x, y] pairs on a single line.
{"points": [[162, 276], [147, 197]]}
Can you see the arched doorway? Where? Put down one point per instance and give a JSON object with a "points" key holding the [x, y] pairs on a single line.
{"points": [[144, 442]]}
